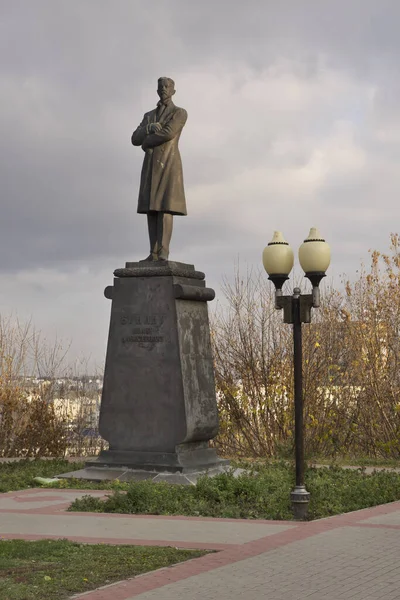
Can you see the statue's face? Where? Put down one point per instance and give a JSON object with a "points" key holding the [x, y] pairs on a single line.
{"points": [[165, 89]]}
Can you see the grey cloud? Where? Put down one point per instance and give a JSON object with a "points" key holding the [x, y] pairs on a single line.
{"points": [[75, 79]]}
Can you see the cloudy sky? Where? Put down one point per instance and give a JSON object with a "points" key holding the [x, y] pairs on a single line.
{"points": [[294, 121]]}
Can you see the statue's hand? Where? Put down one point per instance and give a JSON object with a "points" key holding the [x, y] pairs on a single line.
{"points": [[155, 127], [146, 147]]}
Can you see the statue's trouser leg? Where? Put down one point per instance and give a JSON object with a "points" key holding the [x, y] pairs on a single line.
{"points": [[164, 233], [152, 221]]}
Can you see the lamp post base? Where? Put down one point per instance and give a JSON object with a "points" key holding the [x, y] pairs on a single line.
{"points": [[300, 499]]}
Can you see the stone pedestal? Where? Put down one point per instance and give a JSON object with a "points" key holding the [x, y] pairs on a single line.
{"points": [[158, 409]]}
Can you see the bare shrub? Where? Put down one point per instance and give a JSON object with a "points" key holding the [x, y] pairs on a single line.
{"points": [[373, 303], [252, 369], [350, 367], [29, 425], [45, 409]]}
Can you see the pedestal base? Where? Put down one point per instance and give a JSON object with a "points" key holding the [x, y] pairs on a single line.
{"points": [[186, 456], [125, 475], [184, 466]]}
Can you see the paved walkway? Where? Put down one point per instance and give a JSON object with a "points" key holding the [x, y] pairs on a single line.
{"points": [[348, 557]]}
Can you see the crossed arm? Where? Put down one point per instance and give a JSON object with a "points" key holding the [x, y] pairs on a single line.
{"points": [[140, 133], [154, 134]]}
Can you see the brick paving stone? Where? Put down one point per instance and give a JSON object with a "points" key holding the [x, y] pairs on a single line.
{"points": [[314, 568], [391, 519]]}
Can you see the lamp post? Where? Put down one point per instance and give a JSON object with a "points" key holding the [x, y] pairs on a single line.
{"points": [[314, 256]]}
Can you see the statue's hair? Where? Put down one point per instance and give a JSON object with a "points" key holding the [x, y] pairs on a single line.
{"points": [[171, 81]]}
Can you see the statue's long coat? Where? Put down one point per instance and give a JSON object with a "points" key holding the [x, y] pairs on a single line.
{"points": [[161, 182]]}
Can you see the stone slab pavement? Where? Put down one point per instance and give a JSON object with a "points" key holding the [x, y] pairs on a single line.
{"points": [[348, 557]]}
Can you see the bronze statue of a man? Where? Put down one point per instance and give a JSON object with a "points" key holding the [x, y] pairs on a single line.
{"points": [[161, 193]]}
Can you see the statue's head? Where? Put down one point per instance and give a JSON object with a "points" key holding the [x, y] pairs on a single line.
{"points": [[166, 88]]}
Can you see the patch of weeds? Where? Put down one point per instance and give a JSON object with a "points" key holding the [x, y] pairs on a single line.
{"points": [[56, 569], [250, 496], [260, 494]]}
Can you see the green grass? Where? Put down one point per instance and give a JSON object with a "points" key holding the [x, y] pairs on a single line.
{"points": [[54, 570], [337, 461], [264, 494], [360, 461], [19, 475]]}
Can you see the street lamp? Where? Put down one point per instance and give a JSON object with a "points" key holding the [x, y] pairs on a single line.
{"points": [[314, 256]]}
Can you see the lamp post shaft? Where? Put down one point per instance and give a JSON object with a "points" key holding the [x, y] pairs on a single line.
{"points": [[300, 497], [298, 390]]}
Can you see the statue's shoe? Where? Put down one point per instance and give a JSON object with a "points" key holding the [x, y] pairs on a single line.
{"points": [[162, 255], [151, 257]]}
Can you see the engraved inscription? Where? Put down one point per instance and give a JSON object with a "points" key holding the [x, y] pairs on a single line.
{"points": [[143, 330], [136, 319], [131, 339]]}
